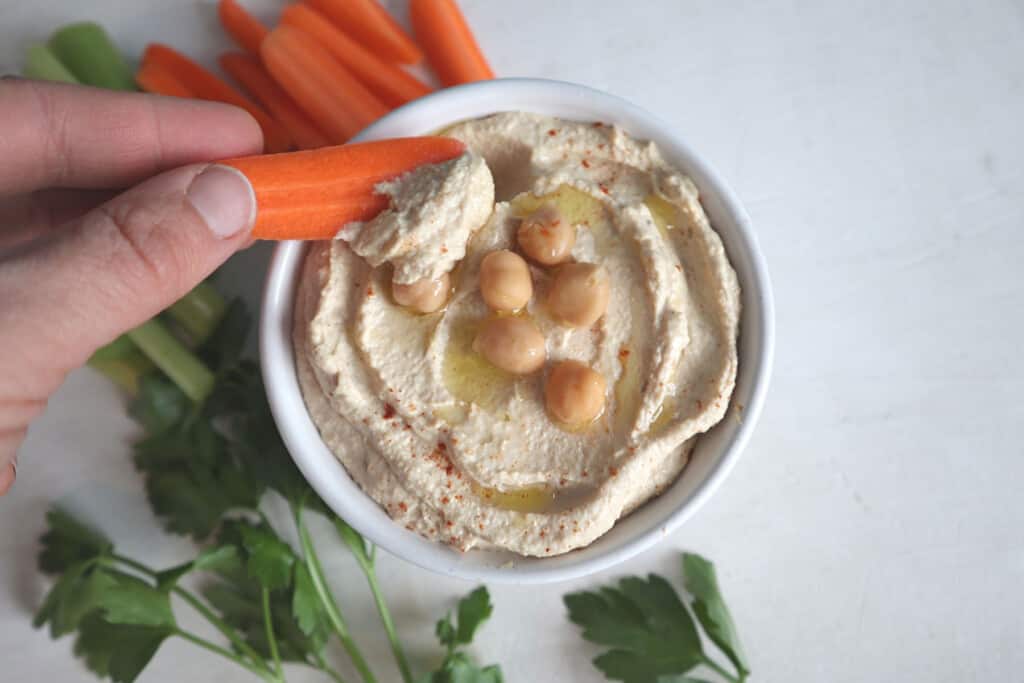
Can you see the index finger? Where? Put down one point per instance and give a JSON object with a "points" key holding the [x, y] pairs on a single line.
{"points": [[58, 135]]}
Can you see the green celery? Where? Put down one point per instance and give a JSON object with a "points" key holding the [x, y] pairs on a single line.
{"points": [[199, 312], [122, 362], [88, 53], [171, 356], [42, 64]]}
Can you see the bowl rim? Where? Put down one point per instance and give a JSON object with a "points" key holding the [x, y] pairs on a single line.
{"points": [[288, 407]]}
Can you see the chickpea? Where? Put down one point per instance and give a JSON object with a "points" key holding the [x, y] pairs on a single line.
{"points": [[505, 281], [546, 236], [513, 344], [574, 394], [423, 296], [578, 296]]}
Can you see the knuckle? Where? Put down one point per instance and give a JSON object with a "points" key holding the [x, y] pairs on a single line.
{"points": [[137, 244]]}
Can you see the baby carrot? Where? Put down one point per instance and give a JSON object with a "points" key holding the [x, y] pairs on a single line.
{"points": [[451, 48], [251, 75], [311, 195], [207, 86], [371, 24], [155, 79], [337, 102], [244, 28], [391, 84]]}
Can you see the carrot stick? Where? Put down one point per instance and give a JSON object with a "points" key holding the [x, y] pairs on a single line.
{"points": [[155, 79], [450, 46], [207, 86], [336, 101], [391, 84], [244, 28], [311, 195], [249, 72], [373, 26]]}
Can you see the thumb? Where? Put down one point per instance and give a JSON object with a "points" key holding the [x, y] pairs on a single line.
{"points": [[121, 264]]}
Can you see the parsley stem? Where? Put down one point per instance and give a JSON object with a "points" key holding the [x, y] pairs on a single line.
{"points": [[200, 607], [207, 645], [268, 624], [323, 591], [225, 630], [385, 614], [322, 665], [711, 664]]}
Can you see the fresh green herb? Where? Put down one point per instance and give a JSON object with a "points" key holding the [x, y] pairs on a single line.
{"points": [[652, 636], [42, 64], [87, 52], [209, 459], [458, 667], [701, 581]]}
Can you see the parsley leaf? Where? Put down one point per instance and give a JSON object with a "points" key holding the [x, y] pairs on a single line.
{"points": [[458, 667], [306, 607], [125, 599], [702, 583], [236, 595], [652, 636], [117, 650], [159, 403], [473, 611], [68, 542], [270, 560], [645, 623], [238, 405], [209, 559], [72, 597], [191, 478], [225, 346]]}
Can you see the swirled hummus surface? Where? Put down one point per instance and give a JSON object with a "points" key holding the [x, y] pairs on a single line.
{"points": [[463, 452]]}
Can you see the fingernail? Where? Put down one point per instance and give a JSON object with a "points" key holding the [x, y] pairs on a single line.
{"points": [[7, 476], [225, 200]]}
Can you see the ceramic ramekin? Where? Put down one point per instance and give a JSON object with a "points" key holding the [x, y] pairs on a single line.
{"points": [[716, 452]]}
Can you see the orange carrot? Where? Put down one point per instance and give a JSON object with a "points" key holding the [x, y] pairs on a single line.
{"points": [[244, 28], [207, 86], [154, 79], [391, 84], [336, 101], [249, 72], [311, 195], [371, 24], [450, 46]]}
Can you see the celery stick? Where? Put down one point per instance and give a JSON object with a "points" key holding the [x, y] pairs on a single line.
{"points": [[171, 356], [125, 372], [42, 64], [115, 350], [199, 312], [122, 362], [86, 50]]}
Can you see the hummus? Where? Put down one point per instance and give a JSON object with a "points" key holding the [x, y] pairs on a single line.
{"points": [[462, 452]]}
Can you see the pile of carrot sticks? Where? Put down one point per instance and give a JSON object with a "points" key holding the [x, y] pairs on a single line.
{"points": [[327, 70]]}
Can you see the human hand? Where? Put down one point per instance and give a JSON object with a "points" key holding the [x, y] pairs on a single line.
{"points": [[79, 263]]}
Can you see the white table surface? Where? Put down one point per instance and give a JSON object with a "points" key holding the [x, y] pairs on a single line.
{"points": [[874, 529]]}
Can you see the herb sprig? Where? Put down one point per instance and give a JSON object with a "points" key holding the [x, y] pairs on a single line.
{"points": [[209, 461], [652, 636]]}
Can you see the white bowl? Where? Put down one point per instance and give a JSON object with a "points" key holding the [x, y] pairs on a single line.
{"points": [[716, 452]]}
